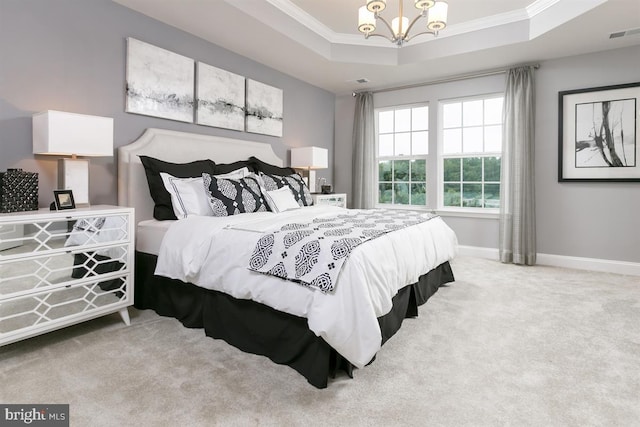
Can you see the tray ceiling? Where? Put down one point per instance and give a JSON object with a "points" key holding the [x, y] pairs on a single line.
{"points": [[318, 42]]}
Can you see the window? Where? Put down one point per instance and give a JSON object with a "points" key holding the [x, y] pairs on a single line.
{"points": [[402, 137], [470, 152]]}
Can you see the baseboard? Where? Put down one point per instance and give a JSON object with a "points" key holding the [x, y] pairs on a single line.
{"points": [[479, 252], [593, 264], [579, 263]]}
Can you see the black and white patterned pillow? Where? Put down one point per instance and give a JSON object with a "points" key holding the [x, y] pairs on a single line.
{"points": [[234, 196], [294, 181]]}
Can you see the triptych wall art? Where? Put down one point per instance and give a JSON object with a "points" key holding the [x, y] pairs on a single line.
{"points": [[165, 84], [159, 82], [220, 97], [264, 108]]}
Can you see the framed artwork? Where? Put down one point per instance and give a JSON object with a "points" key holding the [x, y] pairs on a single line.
{"points": [[264, 109], [160, 83], [220, 98], [63, 199], [598, 134]]}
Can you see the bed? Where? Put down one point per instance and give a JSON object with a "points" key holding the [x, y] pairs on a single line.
{"points": [[314, 332]]}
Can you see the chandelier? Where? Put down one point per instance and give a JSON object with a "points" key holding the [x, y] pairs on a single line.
{"points": [[434, 11]]}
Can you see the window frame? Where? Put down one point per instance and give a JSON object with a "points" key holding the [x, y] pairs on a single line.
{"points": [[425, 157], [461, 210]]}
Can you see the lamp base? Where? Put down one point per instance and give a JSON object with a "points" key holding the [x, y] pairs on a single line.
{"points": [[73, 174], [312, 181]]}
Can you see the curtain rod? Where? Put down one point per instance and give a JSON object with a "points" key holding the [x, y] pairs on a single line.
{"points": [[448, 79]]}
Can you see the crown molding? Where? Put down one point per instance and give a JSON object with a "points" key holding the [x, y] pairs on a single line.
{"points": [[516, 26], [540, 6], [303, 18]]}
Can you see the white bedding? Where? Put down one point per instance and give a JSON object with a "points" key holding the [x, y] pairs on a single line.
{"points": [[149, 235], [213, 252]]}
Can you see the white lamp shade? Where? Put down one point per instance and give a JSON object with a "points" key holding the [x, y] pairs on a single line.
{"points": [[309, 158], [437, 19], [366, 20], [395, 24], [376, 5], [423, 4], [61, 133]]}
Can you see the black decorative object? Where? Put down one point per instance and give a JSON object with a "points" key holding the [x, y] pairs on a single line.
{"points": [[18, 191]]}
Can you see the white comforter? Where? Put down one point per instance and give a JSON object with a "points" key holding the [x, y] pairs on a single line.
{"points": [[214, 252]]}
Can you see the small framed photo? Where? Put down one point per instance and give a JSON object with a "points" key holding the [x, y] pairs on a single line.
{"points": [[599, 131], [64, 199]]}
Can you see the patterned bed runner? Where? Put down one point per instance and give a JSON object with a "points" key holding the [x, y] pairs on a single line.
{"points": [[313, 253]]}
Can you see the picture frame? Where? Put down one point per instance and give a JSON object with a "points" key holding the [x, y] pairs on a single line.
{"points": [[63, 199], [599, 134], [264, 108], [220, 98], [159, 83]]}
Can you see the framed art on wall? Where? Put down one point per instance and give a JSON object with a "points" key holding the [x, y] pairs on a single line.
{"points": [[220, 96], [160, 83], [264, 109], [598, 134]]}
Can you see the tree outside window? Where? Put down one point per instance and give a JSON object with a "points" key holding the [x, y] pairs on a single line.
{"points": [[471, 148], [402, 136]]}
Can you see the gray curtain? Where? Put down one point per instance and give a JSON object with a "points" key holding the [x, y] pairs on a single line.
{"points": [[364, 156], [517, 191]]}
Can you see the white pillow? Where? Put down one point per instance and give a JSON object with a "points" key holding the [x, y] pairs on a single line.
{"points": [[236, 174], [188, 195], [281, 200]]}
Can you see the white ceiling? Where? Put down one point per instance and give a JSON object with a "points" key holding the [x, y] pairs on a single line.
{"points": [[317, 40]]}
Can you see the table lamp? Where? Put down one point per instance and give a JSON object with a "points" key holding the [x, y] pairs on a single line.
{"points": [[69, 134], [310, 158]]}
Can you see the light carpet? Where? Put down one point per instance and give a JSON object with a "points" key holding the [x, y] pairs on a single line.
{"points": [[503, 345]]}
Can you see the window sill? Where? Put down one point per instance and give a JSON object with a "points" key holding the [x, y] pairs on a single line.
{"points": [[461, 213], [493, 214], [404, 207]]}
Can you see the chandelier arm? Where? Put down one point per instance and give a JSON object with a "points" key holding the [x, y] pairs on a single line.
{"points": [[433, 33], [388, 26], [365, 22], [406, 33], [366, 36]]}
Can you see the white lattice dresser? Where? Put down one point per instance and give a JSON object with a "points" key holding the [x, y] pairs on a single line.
{"points": [[66, 267]]}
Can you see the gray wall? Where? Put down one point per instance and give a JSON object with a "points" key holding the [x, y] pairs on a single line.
{"points": [[70, 55], [592, 220], [343, 150]]}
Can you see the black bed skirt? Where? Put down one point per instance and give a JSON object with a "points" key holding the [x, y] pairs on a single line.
{"points": [[256, 328]]}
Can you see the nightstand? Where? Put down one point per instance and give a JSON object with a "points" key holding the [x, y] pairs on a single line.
{"points": [[55, 275], [336, 199]]}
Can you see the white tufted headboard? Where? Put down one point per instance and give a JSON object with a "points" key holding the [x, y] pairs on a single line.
{"points": [[177, 147]]}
